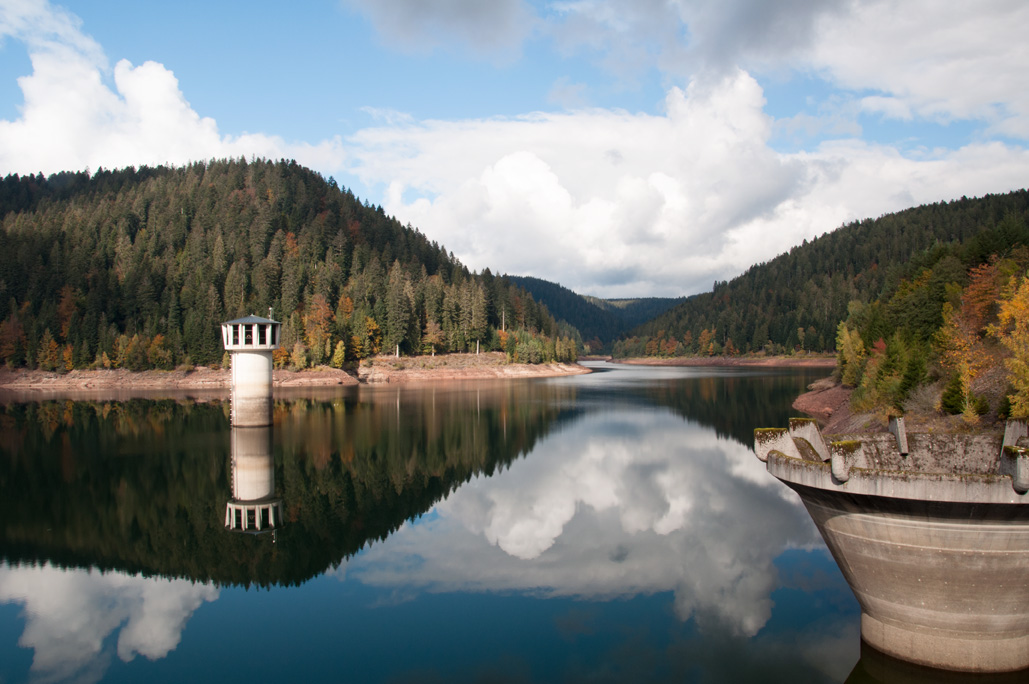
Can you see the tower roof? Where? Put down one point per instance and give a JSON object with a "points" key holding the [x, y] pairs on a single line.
{"points": [[249, 320]]}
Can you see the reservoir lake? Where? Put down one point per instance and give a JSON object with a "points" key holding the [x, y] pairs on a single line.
{"points": [[607, 527]]}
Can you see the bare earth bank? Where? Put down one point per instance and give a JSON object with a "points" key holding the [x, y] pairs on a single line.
{"points": [[737, 361], [487, 365], [377, 370], [829, 404]]}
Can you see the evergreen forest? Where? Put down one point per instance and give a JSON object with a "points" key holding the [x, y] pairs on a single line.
{"points": [[137, 268], [598, 321], [796, 301]]}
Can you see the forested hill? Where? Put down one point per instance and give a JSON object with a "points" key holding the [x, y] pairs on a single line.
{"points": [[600, 321], [138, 267], [797, 300]]}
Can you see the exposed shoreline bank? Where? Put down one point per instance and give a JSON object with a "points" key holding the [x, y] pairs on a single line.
{"points": [[379, 370], [829, 404], [736, 361]]}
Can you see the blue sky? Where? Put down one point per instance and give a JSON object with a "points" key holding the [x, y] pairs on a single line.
{"points": [[619, 147]]}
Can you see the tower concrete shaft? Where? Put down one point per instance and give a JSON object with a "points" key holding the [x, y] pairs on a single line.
{"points": [[251, 341]]}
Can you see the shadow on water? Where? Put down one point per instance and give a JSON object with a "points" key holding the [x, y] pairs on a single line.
{"points": [[876, 667]]}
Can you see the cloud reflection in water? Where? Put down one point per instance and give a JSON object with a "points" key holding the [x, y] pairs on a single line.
{"points": [[617, 504], [70, 614]]}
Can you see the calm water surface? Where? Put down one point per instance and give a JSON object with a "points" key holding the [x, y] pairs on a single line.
{"points": [[602, 528]]}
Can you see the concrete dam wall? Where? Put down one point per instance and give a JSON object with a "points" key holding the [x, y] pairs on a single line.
{"points": [[930, 531]]}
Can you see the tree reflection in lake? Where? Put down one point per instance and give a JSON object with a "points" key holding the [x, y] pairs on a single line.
{"points": [[636, 484]]}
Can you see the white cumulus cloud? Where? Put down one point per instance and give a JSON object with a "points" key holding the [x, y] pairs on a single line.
{"points": [[619, 204], [72, 118], [940, 60]]}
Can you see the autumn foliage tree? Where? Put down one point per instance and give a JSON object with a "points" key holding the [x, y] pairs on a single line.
{"points": [[318, 328], [981, 312], [1012, 329], [963, 353]]}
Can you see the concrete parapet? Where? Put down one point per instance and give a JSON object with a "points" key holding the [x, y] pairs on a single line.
{"points": [[900, 433], [774, 439], [934, 543], [842, 457], [807, 429], [1016, 433], [1015, 463]]}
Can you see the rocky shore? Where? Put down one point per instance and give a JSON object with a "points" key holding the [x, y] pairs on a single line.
{"points": [[829, 403], [489, 365]]}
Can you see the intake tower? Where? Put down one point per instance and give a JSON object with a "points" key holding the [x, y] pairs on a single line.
{"points": [[251, 341]]}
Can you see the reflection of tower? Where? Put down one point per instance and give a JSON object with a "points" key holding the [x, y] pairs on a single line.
{"points": [[253, 507], [251, 341]]}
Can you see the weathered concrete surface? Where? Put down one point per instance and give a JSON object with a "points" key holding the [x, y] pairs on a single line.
{"points": [[934, 544], [251, 388]]}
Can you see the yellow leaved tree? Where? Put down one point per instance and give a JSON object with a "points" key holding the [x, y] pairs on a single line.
{"points": [[962, 351], [850, 356], [1012, 329]]}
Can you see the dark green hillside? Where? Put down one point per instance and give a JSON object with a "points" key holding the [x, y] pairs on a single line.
{"points": [[599, 321], [796, 300], [635, 312], [137, 267]]}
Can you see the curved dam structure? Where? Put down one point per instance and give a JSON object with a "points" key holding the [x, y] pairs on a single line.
{"points": [[931, 531]]}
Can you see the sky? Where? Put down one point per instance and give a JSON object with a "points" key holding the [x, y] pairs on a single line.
{"points": [[622, 148]]}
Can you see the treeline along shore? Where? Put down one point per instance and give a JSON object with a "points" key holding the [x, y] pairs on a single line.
{"points": [[798, 361], [376, 370], [372, 371], [136, 268]]}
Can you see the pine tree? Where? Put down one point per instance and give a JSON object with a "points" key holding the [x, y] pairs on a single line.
{"points": [[398, 307]]}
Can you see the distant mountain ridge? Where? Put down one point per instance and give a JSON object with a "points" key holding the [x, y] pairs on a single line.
{"points": [[797, 299], [596, 319]]}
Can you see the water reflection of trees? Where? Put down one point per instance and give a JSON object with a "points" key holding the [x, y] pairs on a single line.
{"points": [[140, 486], [734, 404], [730, 401]]}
